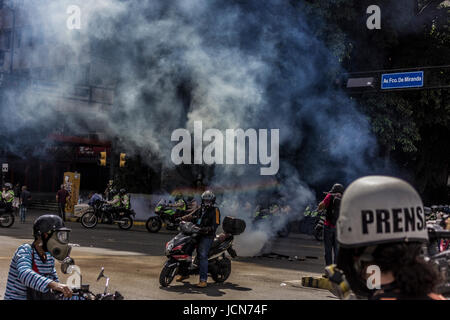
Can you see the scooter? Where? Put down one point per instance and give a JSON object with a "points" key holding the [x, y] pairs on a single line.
{"points": [[179, 249]]}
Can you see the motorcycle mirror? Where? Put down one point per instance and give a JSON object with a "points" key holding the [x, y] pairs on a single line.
{"points": [[102, 274], [66, 263]]}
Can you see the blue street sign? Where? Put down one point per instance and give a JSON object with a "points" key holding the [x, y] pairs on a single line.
{"points": [[402, 80]]}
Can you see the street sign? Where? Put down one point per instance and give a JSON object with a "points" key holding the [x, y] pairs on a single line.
{"points": [[402, 80], [4, 167]]}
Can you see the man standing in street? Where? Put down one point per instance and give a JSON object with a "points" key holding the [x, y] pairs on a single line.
{"points": [[25, 197], [331, 204], [61, 197]]}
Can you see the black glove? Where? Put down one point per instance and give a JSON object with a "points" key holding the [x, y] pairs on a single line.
{"points": [[205, 230]]}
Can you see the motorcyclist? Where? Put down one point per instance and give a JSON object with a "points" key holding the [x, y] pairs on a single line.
{"points": [[115, 203], [179, 204], [8, 196], [124, 199], [207, 217], [382, 227], [93, 197], [32, 271], [109, 190]]}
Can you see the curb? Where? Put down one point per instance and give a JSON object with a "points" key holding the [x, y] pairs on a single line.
{"points": [[320, 283]]}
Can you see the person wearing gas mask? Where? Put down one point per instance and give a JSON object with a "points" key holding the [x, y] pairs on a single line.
{"points": [[207, 217], [381, 232], [32, 270]]}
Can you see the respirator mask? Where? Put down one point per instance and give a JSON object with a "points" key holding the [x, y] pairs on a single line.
{"points": [[58, 244]]}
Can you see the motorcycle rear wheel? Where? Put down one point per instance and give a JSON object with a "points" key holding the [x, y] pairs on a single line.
{"points": [[89, 220], [127, 223], [6, 220], [222, 271], [167, 274], [153, 224]]}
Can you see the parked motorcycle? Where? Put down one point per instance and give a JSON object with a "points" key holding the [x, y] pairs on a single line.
{"points": [[164, 214], [6, 215], [178, 252], [105, 213]]}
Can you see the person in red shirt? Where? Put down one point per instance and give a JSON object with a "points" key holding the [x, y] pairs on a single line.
{"points": [[61, 197], [331, 204]]}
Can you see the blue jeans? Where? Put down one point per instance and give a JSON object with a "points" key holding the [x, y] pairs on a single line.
{"points": [[204, 245], [23, 212], [330, 243]]}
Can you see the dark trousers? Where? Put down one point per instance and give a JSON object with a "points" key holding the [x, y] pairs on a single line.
{"points": [[62, 210], [204, 245], [330, 243]]}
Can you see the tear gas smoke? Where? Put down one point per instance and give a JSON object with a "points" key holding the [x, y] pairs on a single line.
{"points": [[230, 64]]}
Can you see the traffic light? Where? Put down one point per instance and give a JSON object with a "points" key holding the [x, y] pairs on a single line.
{"points": [[122, 160], [102, 160]]}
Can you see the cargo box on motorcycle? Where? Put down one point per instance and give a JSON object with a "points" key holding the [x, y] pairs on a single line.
{"points": [[233, 225]]}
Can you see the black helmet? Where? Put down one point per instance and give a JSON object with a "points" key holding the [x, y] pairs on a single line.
{"points": [[48, 223], [122, 191], [337, 188], [113, 192], [208, 197]]}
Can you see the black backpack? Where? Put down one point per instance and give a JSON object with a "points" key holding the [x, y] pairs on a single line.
{"points": [[332, 213]]}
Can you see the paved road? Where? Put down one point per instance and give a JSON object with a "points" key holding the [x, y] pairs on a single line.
{"points": [[133, 260]]}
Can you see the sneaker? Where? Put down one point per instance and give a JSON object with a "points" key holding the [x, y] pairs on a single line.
{"points": [[202, 284], [180, 278]]}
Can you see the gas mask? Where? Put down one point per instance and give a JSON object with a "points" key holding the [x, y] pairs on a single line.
{"points": [[58, 244]]}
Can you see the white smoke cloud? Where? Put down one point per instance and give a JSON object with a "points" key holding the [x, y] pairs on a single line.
{"points": [[228, 64]]}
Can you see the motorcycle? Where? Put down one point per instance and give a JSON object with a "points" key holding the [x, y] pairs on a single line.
{"points": [[178, 252], [105, 213], [6, 215], [164, 214], [440, 255], [82, 291]]}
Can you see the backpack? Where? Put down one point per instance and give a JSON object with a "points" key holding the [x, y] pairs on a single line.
{"points": [[332, 213]]}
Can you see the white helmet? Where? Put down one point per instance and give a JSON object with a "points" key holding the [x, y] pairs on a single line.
{"points": [[380, 209]]}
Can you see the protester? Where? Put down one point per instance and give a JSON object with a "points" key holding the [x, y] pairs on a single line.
{"points": [[32, 270], [25, 197], [61, 197], [331, 204]]}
